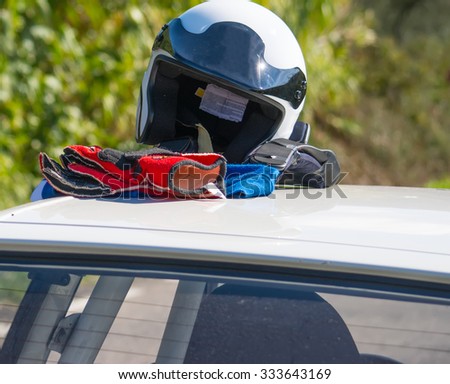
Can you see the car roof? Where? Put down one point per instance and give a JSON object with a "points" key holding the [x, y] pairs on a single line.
{"points": [[389, 231]]}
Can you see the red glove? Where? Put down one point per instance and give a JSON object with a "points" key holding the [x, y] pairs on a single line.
{"points": [[97, 172]]}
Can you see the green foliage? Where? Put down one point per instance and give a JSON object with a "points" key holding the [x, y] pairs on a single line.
{"points": [[404, 97], [443, 183], [70, 73]]}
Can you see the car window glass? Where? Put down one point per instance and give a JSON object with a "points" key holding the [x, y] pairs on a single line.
{"points": [[66, 316], [409, 332]]}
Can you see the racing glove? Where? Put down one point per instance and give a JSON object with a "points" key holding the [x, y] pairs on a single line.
{"points": [[96, 172]]}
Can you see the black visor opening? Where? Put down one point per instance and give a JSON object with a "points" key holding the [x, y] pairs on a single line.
{"points": [[179, 113]]}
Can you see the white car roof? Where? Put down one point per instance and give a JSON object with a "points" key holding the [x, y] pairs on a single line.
{"points": [[389, 231]]}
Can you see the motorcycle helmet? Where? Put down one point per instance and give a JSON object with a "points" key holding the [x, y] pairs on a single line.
{"points": [[232, 67]]}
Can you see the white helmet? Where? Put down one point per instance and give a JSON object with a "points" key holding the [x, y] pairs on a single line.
{"points": [[232, 66]]}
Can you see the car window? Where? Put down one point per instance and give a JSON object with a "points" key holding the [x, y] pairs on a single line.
{"points": [[70, 316]]}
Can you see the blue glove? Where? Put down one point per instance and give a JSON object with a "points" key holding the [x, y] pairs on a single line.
{"points": [[250, 180]]}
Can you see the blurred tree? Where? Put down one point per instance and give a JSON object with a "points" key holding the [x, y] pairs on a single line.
{"points": [[69, 73], [405, 19], [405, 95]]}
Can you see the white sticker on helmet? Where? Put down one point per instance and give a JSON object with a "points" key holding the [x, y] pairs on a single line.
{"points": [[224, 104]]}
